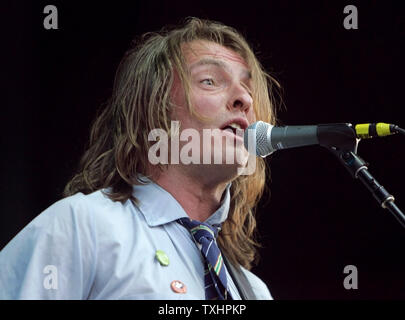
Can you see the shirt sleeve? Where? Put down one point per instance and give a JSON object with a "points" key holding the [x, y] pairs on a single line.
{"points": [[53, 257], [258, 286]]}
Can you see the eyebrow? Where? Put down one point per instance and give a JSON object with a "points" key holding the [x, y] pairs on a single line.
{"points": [[218, 63]]}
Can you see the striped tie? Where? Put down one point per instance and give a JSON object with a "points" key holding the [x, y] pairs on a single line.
{"points": [[214, 274]]}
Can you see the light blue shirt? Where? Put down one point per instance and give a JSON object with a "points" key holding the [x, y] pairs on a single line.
{"points": [[90, 247]]}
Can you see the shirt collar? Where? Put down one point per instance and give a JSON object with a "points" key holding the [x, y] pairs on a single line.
{"points": [[159, 207]]}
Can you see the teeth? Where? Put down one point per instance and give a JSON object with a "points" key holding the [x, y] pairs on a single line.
{"points": [[235, 125]]}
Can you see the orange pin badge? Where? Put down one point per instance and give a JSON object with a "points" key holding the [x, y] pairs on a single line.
{"points": [[178, 286]]}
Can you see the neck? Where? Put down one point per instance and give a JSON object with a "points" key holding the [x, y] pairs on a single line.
{"points": [[199, 198]]}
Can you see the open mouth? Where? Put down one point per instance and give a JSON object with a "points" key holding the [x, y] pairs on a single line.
{"points": [[232, 128], [236, 127]]}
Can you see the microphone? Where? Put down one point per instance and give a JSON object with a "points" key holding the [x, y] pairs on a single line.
{"points": [[269, 138]]}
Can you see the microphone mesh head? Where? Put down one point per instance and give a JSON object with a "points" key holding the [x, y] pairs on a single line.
{"points": [[260, 135], [261, 139]]}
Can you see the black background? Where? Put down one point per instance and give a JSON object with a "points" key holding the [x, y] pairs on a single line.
{"points": [[318, 219]]}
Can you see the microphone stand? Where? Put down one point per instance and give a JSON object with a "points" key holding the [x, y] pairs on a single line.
{"points": [[343, 144]]}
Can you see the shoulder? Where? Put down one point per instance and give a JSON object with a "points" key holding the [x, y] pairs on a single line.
{"points": [[105, 220], [84, 208], [259, 287], [77, 215], [80, 202]]}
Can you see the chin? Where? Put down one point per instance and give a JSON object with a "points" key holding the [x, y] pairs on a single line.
{"points": [[237, 157]]}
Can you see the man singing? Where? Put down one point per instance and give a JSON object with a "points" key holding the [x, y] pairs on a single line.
{"points": [[131, 228]]}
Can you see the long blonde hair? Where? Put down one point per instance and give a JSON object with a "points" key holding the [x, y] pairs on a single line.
{"points": [[118, 146]]}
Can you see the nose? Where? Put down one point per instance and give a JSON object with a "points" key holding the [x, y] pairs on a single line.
{"points": [[240, 98]]}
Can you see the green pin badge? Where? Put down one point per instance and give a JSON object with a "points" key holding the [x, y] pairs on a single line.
{"points": [[162, 258]]}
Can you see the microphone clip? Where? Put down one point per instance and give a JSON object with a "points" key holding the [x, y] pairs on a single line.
{"points": [[338, 136]]}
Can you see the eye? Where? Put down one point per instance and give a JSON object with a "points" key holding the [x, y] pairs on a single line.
{"points": [[208, 81]]}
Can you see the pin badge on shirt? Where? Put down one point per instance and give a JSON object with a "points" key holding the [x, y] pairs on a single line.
{"points": [[178, 286], [162, 257]]}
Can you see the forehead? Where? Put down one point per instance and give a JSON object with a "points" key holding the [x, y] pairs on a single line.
{"points": [[199, 50]]}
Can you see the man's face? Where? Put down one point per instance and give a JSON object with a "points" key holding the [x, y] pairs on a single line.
{"points": [[220, 91]]}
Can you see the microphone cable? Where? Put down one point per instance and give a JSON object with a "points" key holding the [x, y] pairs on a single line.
{"points": [[399, 130]]}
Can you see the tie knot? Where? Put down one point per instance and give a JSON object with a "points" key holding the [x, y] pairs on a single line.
{"points": [[199, 229]]}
